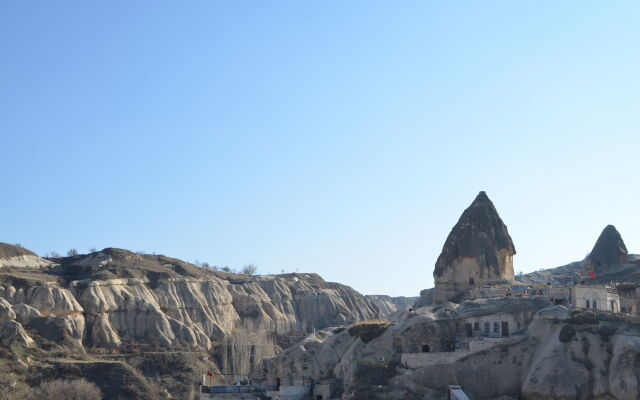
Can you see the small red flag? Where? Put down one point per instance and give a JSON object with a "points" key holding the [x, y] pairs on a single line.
{"points": [[211, 374], [592, 274]]}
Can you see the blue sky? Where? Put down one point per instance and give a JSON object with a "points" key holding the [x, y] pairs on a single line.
{"points": [[343, 138]]}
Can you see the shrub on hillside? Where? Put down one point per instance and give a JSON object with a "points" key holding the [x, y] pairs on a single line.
{"points": [[77, 389], [368, 330], [249, 269]]}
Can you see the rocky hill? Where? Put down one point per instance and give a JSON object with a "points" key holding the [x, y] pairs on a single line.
{"points": [[117, 302], [388, 305]]}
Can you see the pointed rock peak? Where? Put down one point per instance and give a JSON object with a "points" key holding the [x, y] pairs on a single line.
{"points": [[482, 201], [609, 249], [479, 234], [482, 197]]}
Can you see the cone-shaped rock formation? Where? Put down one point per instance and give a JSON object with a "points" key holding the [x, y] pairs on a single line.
{"points": [[478, 249], [608, 251]]}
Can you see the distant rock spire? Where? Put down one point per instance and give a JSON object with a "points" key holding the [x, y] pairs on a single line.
{"points": [[608, 251], [478, 249]]}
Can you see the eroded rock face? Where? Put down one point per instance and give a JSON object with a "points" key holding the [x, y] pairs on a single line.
{"points": [[11, 331], [608, 251], [478, 250], [25, 313], [64, 330], [46, 297], [166, 302]]}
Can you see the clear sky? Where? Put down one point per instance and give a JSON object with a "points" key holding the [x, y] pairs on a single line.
{"points": [[343, 138]]}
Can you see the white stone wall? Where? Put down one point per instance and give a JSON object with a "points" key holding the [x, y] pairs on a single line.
{"points": [[419, 360], [290, 393], [606, 298], [512, 320]]}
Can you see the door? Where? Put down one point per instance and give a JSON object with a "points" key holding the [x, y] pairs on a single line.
{"points": [[469, 329], [505, 329]]}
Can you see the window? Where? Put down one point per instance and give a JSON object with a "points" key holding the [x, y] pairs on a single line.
{"points": [[505, 329], [588, 303], [476, 326], [487, 328], [518, 324], [472, 282], [613, 306], [594, 305], [496, 327], [468, 329], [425, 348]]}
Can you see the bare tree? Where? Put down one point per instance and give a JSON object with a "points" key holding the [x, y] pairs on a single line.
{"points": [[78, 389], [92, 250], [53, 254], [72, 252], [226, 269], [249, 269]]}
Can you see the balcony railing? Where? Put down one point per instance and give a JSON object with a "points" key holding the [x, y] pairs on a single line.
{"points": [[239, 389]]}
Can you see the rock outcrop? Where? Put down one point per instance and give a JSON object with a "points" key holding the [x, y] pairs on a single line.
{"points": [[11, 331], [608, 251], [478, 250]]}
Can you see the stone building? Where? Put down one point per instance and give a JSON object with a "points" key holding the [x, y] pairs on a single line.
{"points": [[477, 251], [629, 298], [455, 328], [466, 329], [598, 298]]}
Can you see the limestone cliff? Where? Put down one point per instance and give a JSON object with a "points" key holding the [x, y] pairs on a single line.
{"points": [[478, 249]]}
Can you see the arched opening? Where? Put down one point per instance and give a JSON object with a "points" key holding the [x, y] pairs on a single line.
{"points": [[588, 303], [425, 348]]}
